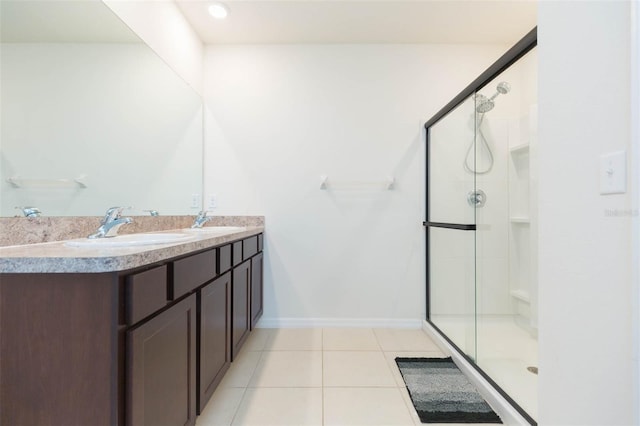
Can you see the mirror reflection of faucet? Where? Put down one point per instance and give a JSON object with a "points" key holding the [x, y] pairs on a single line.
{"points": [[201, 219], [30, 211], [111, 222]]}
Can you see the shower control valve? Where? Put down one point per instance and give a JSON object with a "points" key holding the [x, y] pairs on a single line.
{"points": [[476, 198]]}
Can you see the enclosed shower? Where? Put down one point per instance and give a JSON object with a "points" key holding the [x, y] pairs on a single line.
{"points": [[482, 225]]}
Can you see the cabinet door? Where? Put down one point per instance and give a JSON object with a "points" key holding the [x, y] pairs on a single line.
{"points": [[240, 296], [215, 336], [256, 289], [161, 368]]}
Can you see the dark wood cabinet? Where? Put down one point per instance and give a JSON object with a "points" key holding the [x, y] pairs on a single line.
{"points": [[240, 305], [59, 350], [161, 368], [224, 259], [214, 320], [145, 293], [237, 253], [249, 247], [257, 300], [145, 346], [191, 272]]}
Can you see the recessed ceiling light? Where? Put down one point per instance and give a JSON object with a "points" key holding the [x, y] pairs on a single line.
{"points": [[218, 10]]}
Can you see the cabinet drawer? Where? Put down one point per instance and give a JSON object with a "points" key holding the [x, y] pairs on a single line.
{"points": [[237, 253], [193, 271], [249, 247], [260, 242], [224, 259], [145, 293]]}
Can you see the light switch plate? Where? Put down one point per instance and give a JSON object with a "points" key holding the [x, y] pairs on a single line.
{"points": [[613, 173], [195, 201], [213, 202]]}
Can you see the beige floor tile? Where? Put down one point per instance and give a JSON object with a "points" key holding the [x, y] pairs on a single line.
{"points": [[295, 339], [288, 369], [221, 408], [404, 340], [349, 339], [365, 406], [391, 361], [257, 339], [280, 406], [241, 370], [353, 369], [412, 410]]}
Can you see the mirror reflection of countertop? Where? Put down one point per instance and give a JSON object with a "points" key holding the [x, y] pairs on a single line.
{"points": [[58, 257]]}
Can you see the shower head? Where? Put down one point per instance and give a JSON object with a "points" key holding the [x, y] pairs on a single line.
{"points": [[484, 104], [503, 88]]}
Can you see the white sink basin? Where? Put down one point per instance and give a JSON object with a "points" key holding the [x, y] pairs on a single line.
{"points": [[130, 240], [214, 229]]}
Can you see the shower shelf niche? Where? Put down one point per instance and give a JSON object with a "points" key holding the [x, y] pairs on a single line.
{"points": [[520, 149], [523, 218], [521, 295]]}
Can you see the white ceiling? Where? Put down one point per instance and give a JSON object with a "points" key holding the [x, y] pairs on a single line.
{"points": [[288, 21], [363, 21]]}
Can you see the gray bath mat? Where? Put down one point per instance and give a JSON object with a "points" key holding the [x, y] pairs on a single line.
{"points": [[442, 394]]}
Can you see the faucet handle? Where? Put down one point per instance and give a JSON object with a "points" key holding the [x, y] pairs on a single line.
{"points": [[152, 212], [201, 219], [113, 213], [30, 211]]}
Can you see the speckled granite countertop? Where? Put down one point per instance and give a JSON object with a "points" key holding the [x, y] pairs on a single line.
{"points": [[56, 257]]}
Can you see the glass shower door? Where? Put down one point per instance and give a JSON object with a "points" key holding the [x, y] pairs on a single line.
{"points": [[451, 193], [482, 227]]}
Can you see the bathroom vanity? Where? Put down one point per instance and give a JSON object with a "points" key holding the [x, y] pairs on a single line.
{"points": [[124, 336]]}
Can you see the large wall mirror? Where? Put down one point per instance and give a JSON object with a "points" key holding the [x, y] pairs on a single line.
{"points": [[91, 117]]}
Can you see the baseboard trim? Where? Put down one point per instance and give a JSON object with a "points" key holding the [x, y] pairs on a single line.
{"points": [[505, 410], [339, 323]]}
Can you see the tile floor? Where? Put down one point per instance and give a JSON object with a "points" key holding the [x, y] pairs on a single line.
{"points": [[319, 377]]}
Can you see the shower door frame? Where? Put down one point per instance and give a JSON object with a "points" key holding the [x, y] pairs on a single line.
{"points": [[521, 48]]}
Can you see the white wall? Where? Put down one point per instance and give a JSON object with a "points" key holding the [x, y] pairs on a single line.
{"points": [[585, 263], [280, 116], [161, 25]]}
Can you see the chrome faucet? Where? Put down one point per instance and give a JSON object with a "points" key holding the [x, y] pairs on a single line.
{"points": [[111, 223], [30, 211], [153, 212], [201, 219]]}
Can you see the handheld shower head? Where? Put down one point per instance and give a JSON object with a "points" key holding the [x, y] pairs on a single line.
{"points": [[484, 104]]}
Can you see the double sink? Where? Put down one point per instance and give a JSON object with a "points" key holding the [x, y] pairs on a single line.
{"points": [[143, 239]]}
